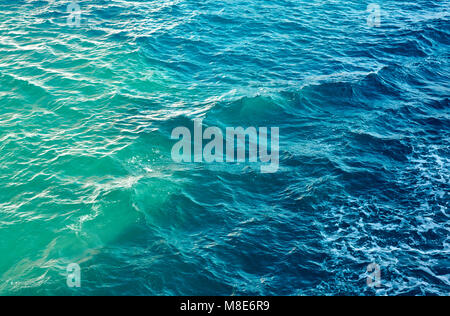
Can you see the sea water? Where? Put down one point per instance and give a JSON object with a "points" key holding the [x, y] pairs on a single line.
{"points": [[90, 92]]}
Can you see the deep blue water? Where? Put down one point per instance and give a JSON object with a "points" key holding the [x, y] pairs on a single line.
{"points": [[86, 115]]}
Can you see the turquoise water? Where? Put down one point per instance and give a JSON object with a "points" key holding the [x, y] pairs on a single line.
{"points": [[87, 177]]}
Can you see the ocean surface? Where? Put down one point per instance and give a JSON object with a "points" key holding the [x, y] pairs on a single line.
{"points": [[88, 104]]}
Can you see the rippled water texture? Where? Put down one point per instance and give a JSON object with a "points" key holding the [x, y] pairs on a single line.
{"points": [[86, 175]]}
